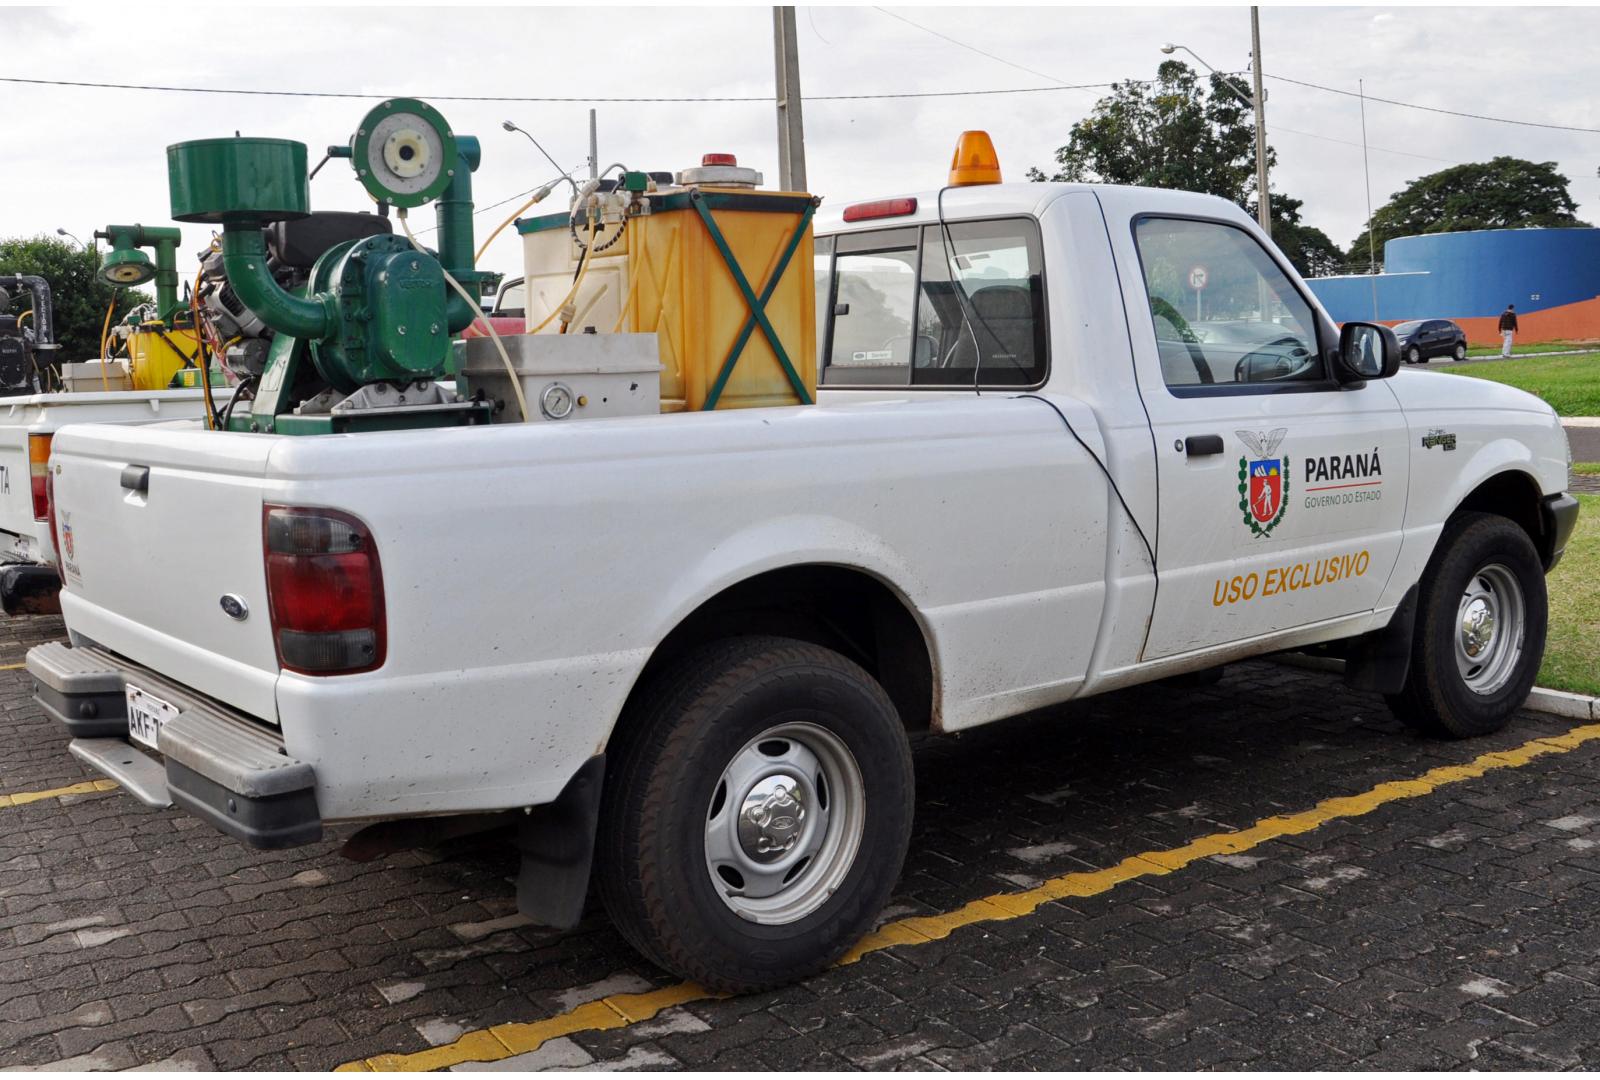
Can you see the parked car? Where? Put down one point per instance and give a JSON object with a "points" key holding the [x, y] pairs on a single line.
{"points": [[1423, 339]]}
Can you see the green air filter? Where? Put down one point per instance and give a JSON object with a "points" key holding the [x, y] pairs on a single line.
{"points": [[216, 180]]}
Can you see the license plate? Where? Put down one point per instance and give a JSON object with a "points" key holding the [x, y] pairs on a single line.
{"points": [[146, 714]]}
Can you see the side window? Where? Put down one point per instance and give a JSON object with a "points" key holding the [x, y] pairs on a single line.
{"points": [[981, 310], [917, 307], [1224, 314], [822, 275], [874, 302]]}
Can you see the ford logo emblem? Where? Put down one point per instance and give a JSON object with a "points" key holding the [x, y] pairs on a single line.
{"points": [[234, 607]]}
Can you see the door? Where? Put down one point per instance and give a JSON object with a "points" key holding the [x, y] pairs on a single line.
{"points": [[1281, 492]]}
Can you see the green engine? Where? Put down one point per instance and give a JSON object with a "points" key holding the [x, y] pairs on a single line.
{"points": [[366, 343]]}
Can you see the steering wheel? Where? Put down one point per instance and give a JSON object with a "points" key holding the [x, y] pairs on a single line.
{"points": [[1161, 309], [1274, 366]]}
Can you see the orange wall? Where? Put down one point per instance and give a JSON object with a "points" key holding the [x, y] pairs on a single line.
{"points": [[1568, 322]]}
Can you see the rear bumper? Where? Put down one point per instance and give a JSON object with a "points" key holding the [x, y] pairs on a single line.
{"points": [[218, 764]]}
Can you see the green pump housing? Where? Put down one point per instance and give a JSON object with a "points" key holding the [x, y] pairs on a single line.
{"points": [[126, 265], [377, 311]]}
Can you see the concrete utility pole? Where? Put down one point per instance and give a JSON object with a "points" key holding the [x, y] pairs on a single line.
{"points": [[1262, 209], [791, 128], [594, 145]]}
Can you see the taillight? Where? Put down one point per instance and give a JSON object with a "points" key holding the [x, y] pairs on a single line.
{"points": [[325, 591], [39, 474]]}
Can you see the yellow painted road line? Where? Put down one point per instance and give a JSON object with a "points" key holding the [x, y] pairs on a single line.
{"points": [[12, 667], [505, 1040], [88, 787]]}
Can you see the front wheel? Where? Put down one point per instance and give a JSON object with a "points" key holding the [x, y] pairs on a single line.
{"points": [[1481, 621], [758, 814], [1413, 355]]}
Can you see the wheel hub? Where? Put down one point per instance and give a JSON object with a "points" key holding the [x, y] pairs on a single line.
{"points": [[1491, 625], [1477, 627], [772, 818], [784, 823]]}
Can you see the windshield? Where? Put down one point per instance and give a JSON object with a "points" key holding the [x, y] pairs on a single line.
{"points": [[1407, 327]]}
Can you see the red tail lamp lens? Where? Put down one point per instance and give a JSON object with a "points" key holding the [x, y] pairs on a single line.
{"points": [[325, 591], [39, 473]]}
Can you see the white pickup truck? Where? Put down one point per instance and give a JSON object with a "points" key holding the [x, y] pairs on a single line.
{"points": [[28, 424], [1068, 439]]}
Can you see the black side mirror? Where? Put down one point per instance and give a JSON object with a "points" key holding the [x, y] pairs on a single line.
{"points": [[1367, 351]]}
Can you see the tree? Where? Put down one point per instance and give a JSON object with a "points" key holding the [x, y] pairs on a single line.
{"points": [[1308, 248], [1505, 193], [78, 295], [1169, 133], [1172, 133]]}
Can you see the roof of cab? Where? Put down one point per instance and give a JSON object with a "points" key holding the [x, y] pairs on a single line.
{"points": [[1032, 199]]}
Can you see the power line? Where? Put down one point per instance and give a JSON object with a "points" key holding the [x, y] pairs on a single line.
{"points": [[973, 48], [765, 99], [1142, 82], [1433, 109]]}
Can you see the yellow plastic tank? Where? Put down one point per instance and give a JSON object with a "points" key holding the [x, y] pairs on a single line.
{"points": [[154, 356], [666, 275]]}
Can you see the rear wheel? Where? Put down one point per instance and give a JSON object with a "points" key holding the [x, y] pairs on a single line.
{"points": [[758, 814], [1481, 620], [1460, 351]]}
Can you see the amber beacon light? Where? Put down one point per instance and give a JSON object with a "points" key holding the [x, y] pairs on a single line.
{"points": [[975, 161]]}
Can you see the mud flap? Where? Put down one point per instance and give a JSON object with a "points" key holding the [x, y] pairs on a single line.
{"points": [[557, 845], [1381, 660]]}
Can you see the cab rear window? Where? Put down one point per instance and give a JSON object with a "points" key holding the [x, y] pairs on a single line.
{"points": [[919, 307]]}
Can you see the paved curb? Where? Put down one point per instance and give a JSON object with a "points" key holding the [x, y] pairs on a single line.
{"points": [[1552, 702]]}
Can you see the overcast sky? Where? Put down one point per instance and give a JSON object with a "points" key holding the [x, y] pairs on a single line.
{"points": [[81, 158]]}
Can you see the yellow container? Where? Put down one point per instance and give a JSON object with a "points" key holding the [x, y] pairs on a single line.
{"points": [[153, 358], [667, 277]]}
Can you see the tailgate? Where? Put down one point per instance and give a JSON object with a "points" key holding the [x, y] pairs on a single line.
{"points": [[157, 525], [16, 489]]}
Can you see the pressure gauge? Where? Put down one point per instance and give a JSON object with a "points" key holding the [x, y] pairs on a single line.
{"points": [[556, 402], [404, 153]]}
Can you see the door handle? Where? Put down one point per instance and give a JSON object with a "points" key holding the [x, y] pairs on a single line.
{"points": [[136, 478], [1202, 445]]}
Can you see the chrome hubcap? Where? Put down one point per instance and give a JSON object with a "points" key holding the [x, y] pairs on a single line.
{"points": [[1490, 628], [773, 818], [784, 823]]}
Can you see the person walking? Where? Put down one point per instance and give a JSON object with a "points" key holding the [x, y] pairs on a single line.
{"points": [[1508, 328]]}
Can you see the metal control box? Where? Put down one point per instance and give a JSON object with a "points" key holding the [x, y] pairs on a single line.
{"points": [[568, 376]]}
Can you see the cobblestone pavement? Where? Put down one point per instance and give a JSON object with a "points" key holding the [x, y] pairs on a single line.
{"points": [[1446, 929]]}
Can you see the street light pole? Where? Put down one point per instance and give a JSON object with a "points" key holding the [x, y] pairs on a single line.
{"points": [[1257, 102], [791, 128], [1265, 214]]}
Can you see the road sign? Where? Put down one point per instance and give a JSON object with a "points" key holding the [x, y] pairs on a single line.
{"points": [[1197, 277]]}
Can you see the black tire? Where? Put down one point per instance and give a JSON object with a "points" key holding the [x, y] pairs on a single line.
{"points": [[1460, 351], [665, 768], [1413, 355], [1437, 698]]}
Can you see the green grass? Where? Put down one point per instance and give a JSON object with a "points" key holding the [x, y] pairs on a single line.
{"points": [[1541, 347], [1572, 652], [1571, 384], [1586, 468]]}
